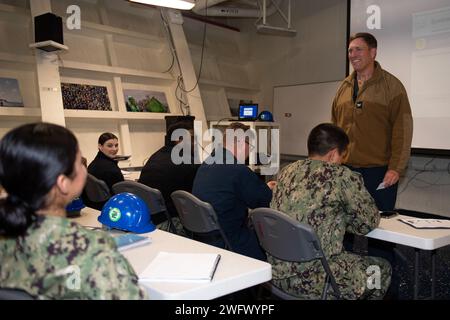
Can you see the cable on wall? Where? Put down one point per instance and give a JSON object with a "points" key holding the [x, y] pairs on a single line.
{"points": [[201, 55], [168, 35], [180, 89], [182, 104]]}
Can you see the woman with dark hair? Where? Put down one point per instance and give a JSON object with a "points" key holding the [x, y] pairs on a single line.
{"points": [[42, 252], [104, 167]]}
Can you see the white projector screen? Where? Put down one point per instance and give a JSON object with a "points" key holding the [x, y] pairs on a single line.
{"points": [[414, 45]]}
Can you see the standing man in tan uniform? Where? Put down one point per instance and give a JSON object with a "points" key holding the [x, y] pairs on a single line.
{"points": [[372, 107]]}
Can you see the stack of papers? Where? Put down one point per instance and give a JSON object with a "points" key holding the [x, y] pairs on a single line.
{"points": [[181, 267], [130, 240], [427, 223]]}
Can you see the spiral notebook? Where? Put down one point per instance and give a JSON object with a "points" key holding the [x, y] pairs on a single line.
{"points": [[168, 266]]}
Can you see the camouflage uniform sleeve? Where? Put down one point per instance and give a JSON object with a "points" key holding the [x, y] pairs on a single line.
{"points": [[361, 211], [109, 276]]}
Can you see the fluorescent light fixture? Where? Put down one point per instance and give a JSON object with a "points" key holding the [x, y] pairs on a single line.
{"points": [[175, 4]]}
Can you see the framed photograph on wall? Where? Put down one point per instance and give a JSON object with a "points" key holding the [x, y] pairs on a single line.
{"points": [[10, 93], [145, 101], [85, 97]]}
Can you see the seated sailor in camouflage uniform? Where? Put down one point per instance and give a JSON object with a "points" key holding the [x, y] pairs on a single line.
{"points": [[42, 252], [332, 199]]}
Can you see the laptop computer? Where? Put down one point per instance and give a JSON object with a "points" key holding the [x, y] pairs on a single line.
{"points": [[248, 112]]}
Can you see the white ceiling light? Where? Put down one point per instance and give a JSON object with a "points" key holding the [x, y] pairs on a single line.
{"points": [[175, 4]]}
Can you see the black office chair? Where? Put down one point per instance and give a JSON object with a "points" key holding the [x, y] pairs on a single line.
{"points": [[14, 294], [96, 190], [197, 216], [287, 239], [152, 197]]}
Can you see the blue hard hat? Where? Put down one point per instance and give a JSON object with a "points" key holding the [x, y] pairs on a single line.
{"points": [[76, 205], [128, 212], [266, 116], [73, 209]]}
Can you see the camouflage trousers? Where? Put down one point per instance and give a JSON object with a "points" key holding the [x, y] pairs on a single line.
{"points": [[357, 277], [177, 224]]}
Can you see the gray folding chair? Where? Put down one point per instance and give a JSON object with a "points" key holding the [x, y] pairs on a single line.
{"points": [[197, 216], [152, 197], [287, 239], [96, 190], [14, 294]]}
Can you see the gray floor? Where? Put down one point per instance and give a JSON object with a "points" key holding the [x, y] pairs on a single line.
{"points": [[406, 271], [404, 268], [406, 274]]}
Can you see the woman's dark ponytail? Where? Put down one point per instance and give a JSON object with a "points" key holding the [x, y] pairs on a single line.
{"points": [[15, 216], [32, 157]]}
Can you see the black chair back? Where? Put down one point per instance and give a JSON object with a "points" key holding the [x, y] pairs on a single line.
{"points": [[96, 190], [197, 216], [14, 294], [287, 239], [151, 196]]}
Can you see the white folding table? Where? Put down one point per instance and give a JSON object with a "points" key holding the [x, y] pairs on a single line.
{"points": [[234, 271], [132, 175], [395, 231]]}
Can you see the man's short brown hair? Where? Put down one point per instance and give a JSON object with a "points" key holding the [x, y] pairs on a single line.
{"points": [[234, 126], [238, 125], [367, 37]]}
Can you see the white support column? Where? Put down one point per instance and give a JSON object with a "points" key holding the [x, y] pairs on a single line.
{"points": [[125, 142], [49, 83], [109, 43], [102, 12], [175, 21], [47, 67], [39, 7], [224, 107], [118, 87], [124, 128]]}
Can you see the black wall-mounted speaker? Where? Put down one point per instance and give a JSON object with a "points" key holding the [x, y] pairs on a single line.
{"points": [[48, 26]]}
